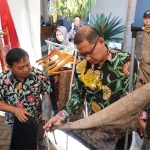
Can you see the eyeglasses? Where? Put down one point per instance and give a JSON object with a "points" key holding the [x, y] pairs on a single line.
{"points": [[90, 52]]}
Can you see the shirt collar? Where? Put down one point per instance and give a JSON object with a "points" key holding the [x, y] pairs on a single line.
{"points": [[109, 58], [77, 27], [12, 76]]}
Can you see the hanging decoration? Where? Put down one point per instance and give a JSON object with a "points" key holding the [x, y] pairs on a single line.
{"points": [[52, 11], [7, 21]]}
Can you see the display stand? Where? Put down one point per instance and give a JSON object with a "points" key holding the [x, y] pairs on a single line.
{"points": [[134, 31], [70, 74]]}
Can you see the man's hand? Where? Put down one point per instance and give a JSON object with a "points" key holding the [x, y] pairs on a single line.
{"points": [[142, 127], [21, 113], [53, 121]]}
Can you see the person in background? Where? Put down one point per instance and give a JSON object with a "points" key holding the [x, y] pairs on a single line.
{"points": [[141, 81], [139, 35], [74, 27], [42, 20], [61, 38], [21, 88], [91, 76]]}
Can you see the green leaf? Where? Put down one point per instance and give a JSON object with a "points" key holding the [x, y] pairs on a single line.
{"points": [[122, 74], [27, 92], [32, 104], [117, 84], [116, 63], [123, 54], [10, 88], [108, 79], [15, 96]]}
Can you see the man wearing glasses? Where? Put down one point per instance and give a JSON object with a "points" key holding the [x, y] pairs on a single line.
{"points": [[102, 77]]}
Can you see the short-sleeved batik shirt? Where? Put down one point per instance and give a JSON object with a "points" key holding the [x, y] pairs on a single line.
{"points": [[101, 86], [24, 94]]}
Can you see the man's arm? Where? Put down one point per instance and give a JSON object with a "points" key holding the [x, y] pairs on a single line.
{"points": [[47, 111], [18, 112], [70, 108]]}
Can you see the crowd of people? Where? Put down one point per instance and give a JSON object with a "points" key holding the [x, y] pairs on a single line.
{"points": [[96, 79]]}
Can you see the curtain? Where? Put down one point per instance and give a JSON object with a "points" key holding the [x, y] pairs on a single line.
{"points": [[26, 17], [7, 21]]}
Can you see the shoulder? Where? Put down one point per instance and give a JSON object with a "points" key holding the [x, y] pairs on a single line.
{"points": [[36, 71], [70, 44], [5, 74], [120, 55], [119, 52], [38, 74], [69, 29], [81, 66]]}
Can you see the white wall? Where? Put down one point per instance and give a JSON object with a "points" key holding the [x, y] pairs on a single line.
{"points": [[116, 7], [43, 10]]}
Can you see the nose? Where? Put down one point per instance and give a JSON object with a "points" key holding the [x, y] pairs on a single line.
{"points": [[26, 69], [87, 58]]}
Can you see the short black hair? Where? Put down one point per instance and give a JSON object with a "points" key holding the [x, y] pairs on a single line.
{"points": [[15, 55], [77, 16], [87, 33]]}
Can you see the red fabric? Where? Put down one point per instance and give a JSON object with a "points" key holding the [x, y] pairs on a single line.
{"points": [[6, 21]]}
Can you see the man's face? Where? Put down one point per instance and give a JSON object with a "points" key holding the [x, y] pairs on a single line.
{"points": [[22, 68], [146, 21], [77, 21], [97, 49]]}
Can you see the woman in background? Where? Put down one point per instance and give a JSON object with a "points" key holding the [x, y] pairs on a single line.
{"points": [[62, 38]]}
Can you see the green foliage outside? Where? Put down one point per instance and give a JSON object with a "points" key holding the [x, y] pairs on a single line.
{"points": [[71, 8]]}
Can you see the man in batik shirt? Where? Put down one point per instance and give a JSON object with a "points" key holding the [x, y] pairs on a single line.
{"points": [[20, 90], [102, 77]]}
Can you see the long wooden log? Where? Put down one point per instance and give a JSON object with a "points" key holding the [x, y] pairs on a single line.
{"points": [[118, 115]]}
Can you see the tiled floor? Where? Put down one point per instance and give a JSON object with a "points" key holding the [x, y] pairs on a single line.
{"points": [[4, 135]]}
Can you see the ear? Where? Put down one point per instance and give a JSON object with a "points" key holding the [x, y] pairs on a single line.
{"points": [[101, 41], [9, 67]]}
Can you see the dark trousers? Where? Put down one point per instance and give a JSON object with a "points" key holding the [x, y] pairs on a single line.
{"points": [[121, 142], [53, 96], [24, 135]]}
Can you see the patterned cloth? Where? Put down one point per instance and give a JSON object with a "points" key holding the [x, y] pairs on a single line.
{"points": [[24, 95], [101, 86]]}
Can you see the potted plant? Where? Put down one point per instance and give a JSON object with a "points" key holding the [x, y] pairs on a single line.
{"points": [[108, 27]]}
